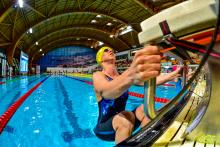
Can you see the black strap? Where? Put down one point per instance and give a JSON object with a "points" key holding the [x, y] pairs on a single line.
{"points": [[183, 45], [165, 28], [168, 35]]}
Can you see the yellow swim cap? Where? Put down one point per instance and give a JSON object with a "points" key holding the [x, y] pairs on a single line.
{"points": [[100, 53]]}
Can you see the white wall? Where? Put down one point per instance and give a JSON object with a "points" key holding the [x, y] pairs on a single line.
{"points": [[69, 69]]}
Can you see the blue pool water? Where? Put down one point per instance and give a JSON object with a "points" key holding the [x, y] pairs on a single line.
{"points": [[61, 112]]}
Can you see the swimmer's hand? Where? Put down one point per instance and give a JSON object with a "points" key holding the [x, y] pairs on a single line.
{"points": [[145, 65], [175, 74], [189, 75]]}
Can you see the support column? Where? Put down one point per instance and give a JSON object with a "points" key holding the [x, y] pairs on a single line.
{"points": [[9, 58]]}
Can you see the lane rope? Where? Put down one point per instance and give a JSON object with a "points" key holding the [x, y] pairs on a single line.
{"points": [[2, 83], [7, 115], [157, 99], [135, 94]]}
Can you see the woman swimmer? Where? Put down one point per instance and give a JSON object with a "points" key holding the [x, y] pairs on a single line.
{"points": [[114, 122]]}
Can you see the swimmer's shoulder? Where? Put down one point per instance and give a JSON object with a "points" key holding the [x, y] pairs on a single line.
{"points": [[97, 74]]}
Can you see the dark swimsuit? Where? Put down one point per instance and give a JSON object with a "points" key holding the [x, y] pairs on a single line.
{"points": [[108, 108]]}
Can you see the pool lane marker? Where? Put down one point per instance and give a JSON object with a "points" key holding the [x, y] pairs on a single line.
{"points": [[138, 95], [91, 83], [14, 79], [87, 82], [11, 80], [168, 85], [14, 107], [19, 92], [157, 99], [2, 83]]}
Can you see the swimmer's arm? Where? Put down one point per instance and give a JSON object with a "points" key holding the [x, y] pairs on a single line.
{"points": [[161, 79], [111, 89], [165, 78]]}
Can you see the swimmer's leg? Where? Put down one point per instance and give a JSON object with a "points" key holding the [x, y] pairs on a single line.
{"points": [[123, 124]]}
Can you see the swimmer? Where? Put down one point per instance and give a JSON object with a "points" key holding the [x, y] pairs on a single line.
{"points": [[111, 89]]}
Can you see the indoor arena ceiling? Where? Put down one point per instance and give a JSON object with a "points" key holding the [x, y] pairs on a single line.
{"points": [[38, 26]]}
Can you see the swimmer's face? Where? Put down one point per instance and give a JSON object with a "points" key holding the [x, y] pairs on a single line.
{"points": [[108, 54]]}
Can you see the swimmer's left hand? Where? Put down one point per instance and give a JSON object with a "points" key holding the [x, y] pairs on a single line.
{"points": [[189, 75], [175, 74]]}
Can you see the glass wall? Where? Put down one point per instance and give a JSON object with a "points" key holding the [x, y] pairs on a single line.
{"points": [[3, 63]]}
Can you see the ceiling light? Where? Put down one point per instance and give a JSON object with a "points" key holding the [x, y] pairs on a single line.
{"points": [[40, 50], [36, 43], [134, 46], [93, 21], [109, 24], [77, 38], [91, 46], [99, 16], [111, 36], [126, 30], [121, 28], [134, 51], [42, 54], [30, 30], [89, 38], [21, 3], [129, 27], [114, 20], [100, 43]]}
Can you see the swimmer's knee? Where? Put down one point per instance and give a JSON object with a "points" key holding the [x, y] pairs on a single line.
{"points": [[139, 113], [122, 122], [129, 115]]}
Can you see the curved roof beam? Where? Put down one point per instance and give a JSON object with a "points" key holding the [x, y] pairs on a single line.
{"points": [[62, 41], [73, 38], [6, 13], [149, 9], [14, 44], [68, 29], [67, 38], [61, 44]]}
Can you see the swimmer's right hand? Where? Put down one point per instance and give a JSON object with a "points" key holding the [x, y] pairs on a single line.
{"points": [[145, 64]]}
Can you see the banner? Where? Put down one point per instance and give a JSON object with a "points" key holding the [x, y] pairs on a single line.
{"points": [[23, 63]]}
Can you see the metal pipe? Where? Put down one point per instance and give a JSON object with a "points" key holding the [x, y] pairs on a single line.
{"points": [[149, 95]]}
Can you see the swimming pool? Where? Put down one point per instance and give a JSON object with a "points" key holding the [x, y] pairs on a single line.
{"points": [[60, 112]]}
